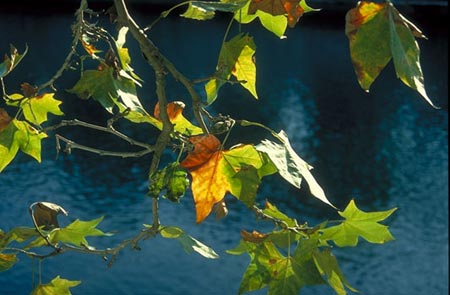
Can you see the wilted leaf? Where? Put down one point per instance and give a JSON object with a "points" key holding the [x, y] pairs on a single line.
{"points": [[290, 166], [357, 224], [205, 146], [235, 58], [378, 32], [188, 243], [10, 62], [45, 214], [19, 135], [7, 261], [57, 286]]}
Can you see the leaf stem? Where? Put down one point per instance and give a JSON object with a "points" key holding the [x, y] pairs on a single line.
{"points": [[164, 14]]}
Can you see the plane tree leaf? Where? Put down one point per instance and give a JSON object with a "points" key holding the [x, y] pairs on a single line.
{"points": [[290, 9], [276, 24], [171, 182], [216, 172], [7, 261], [281, 274], [106, 85], [235, 58], [18, 135], [357, 224], [328, 267], [37, 108], [17, 234], [188, 243], [205, 10], [180, 123], [377, 33], [290, 166], [57, 286], [10, 62]]}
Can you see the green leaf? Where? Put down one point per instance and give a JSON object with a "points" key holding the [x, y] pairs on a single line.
{"points": [[76, 232], [290, 166], [17, 234], [10, 62], [7, 261], [36, 109], [205, 10], [19, 135], [276, 24], [282, 275], [241, 167], [188, 243], [272, 211], [124, 57], [57, 286], [171, 181], [105, 86], [328, 266], [357, 224], [378, 33], [235, 58]]}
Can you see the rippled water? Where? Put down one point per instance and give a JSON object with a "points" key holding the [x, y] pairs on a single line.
{"points": [[384, 149]]}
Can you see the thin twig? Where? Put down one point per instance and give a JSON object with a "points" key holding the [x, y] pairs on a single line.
{"points": [[77, 28]]}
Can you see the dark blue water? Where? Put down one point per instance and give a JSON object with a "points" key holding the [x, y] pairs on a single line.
{"points": [[384, 149]]}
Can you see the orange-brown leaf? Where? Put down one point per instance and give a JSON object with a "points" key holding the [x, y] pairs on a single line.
{"points": [[278, 7], [253, 237], [5, 119], [174, 109], [28, 90], [360, 15], [209, 186], [90, 49], [205, 146]]}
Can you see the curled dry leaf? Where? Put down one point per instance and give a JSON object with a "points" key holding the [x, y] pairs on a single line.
{"points": [[45, 214], [253, 237]]}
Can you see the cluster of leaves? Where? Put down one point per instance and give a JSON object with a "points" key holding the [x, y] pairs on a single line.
{"points": [[284, 260]]}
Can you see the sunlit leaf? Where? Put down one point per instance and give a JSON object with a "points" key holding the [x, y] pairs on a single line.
{"points": [[272, 211], [10, 62], [204, 10], [235, 58], [176, 117], [124, 57], [105, 86], [7, 261], [357, 224], [378, 33], [215, 172], [57, 286], [290, 166], [328, 266], [293, 9], [19, 135], [36, 109], [76, 232], [188, 243]]}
